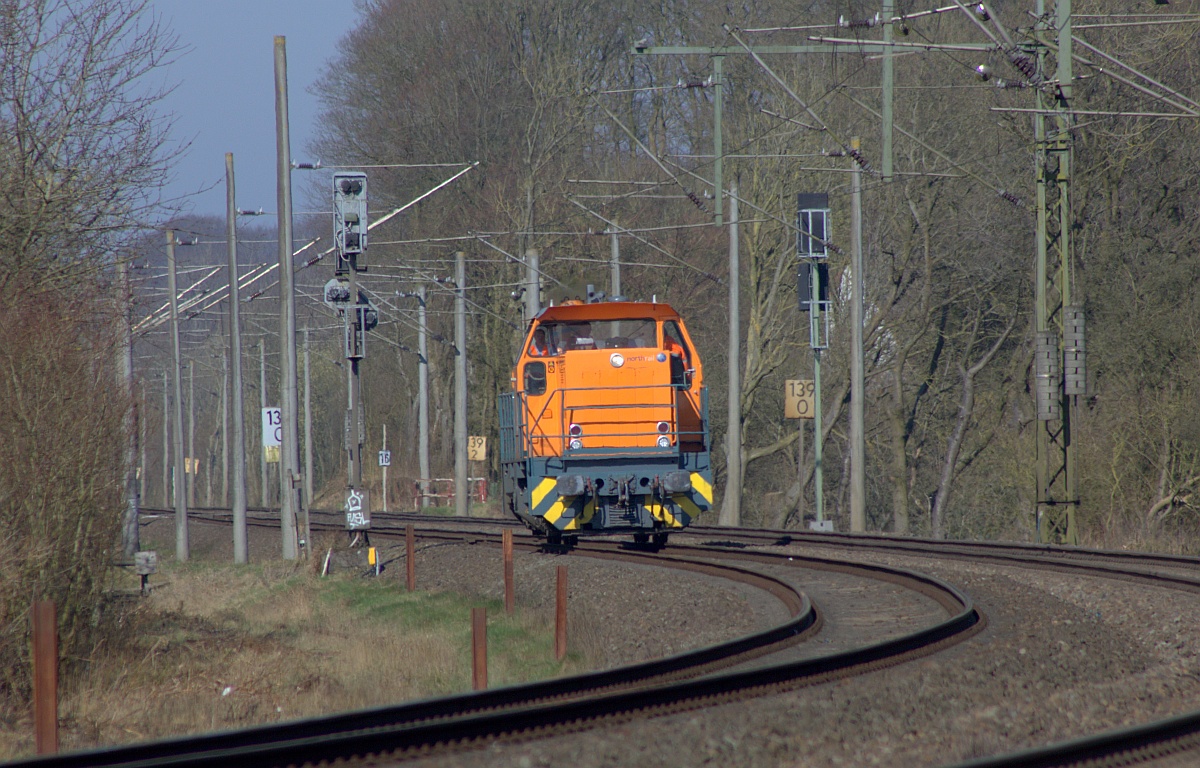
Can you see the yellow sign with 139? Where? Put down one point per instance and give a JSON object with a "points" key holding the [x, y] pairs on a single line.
{"points": [[799, 400]]}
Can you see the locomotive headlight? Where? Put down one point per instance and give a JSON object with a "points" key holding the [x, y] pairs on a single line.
{"points": [[663, 427], [575, 430], [617, 359], [576, 444], [664, 442]]}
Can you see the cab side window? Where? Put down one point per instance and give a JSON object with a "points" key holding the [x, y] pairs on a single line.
{"points": [[535, 378], [679, 355], [673, 342]]}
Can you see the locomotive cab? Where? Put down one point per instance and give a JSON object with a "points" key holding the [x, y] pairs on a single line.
{"points": [[606, 428]]}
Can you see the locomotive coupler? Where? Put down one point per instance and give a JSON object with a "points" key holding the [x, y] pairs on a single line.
{"points": [[623, 494]]}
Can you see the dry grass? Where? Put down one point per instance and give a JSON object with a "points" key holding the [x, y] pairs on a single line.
{"points": [[219, 647]]}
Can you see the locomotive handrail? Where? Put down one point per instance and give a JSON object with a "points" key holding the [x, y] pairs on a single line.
{"points": [[561, 436]]}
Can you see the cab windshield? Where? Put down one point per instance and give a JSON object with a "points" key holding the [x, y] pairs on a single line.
{"points": [[631, 333]]}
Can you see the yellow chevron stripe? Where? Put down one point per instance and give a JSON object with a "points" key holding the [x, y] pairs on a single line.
{"points": [[660, 512], [589, 511], [700, 486], [540, 491], [556, 511], [686, 504]]}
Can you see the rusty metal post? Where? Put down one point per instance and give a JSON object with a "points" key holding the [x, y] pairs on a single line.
{"points": [[410, 557], [510, 600], [560, 615], [479, 648], [45, 677]]}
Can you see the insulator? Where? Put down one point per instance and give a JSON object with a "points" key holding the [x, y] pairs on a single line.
{"points": [[860, 159], [1074, 351], [983, 72], [859, 23], [1047, 377], [982, 12], [1010, 197], [1026, 65]]}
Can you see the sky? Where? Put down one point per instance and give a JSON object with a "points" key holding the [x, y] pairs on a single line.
{"points": [[224, 97]]}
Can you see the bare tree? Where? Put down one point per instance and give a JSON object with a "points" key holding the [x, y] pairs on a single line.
{"points": [[83, 155], [82, 159]]}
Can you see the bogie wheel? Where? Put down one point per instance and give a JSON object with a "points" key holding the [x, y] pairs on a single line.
{"points": [[660, 540], [641, 538]]}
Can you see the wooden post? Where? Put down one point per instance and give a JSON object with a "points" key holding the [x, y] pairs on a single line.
{"points": [[560, 615], [510, 600], [45, 677], [479, 648], [410, 557]]}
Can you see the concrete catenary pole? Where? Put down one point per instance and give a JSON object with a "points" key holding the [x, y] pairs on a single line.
{"points": [[129, 525], [889, 90], [181, 507], [225, 429], [240, 549], [533, 283], [191, 466], [423, 398], [308, 454], [289, 451], [262, 402], [858, 493], [615, 263], [143, 428], [731, 508], [166, 448], [461, 493]]}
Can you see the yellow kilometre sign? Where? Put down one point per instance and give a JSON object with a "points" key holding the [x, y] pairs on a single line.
{"points": [[477, 448], [798, 399]]}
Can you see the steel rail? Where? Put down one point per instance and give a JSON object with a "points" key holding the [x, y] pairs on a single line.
{"points": [[738, 537], [1141, 743], [1065, 558], [519, 710], [1124, 747]]}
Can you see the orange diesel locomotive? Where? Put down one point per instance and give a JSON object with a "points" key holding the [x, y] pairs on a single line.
{"points": [[606, 429]]}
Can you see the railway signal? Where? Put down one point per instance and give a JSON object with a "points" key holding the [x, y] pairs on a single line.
{"points": [[350, 220], [358, 316], [812, 248]]}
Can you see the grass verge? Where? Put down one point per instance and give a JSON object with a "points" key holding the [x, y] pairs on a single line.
{"points": [[217, 647]]}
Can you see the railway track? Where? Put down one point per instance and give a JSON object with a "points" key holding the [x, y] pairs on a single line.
{"points": [[1142, 744], [675, 683]]}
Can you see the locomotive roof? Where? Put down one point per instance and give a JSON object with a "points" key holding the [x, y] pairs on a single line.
{"points": [[608, 310]]}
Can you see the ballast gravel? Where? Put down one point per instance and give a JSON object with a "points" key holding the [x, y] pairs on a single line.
{"points": [[1061, 657]]}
